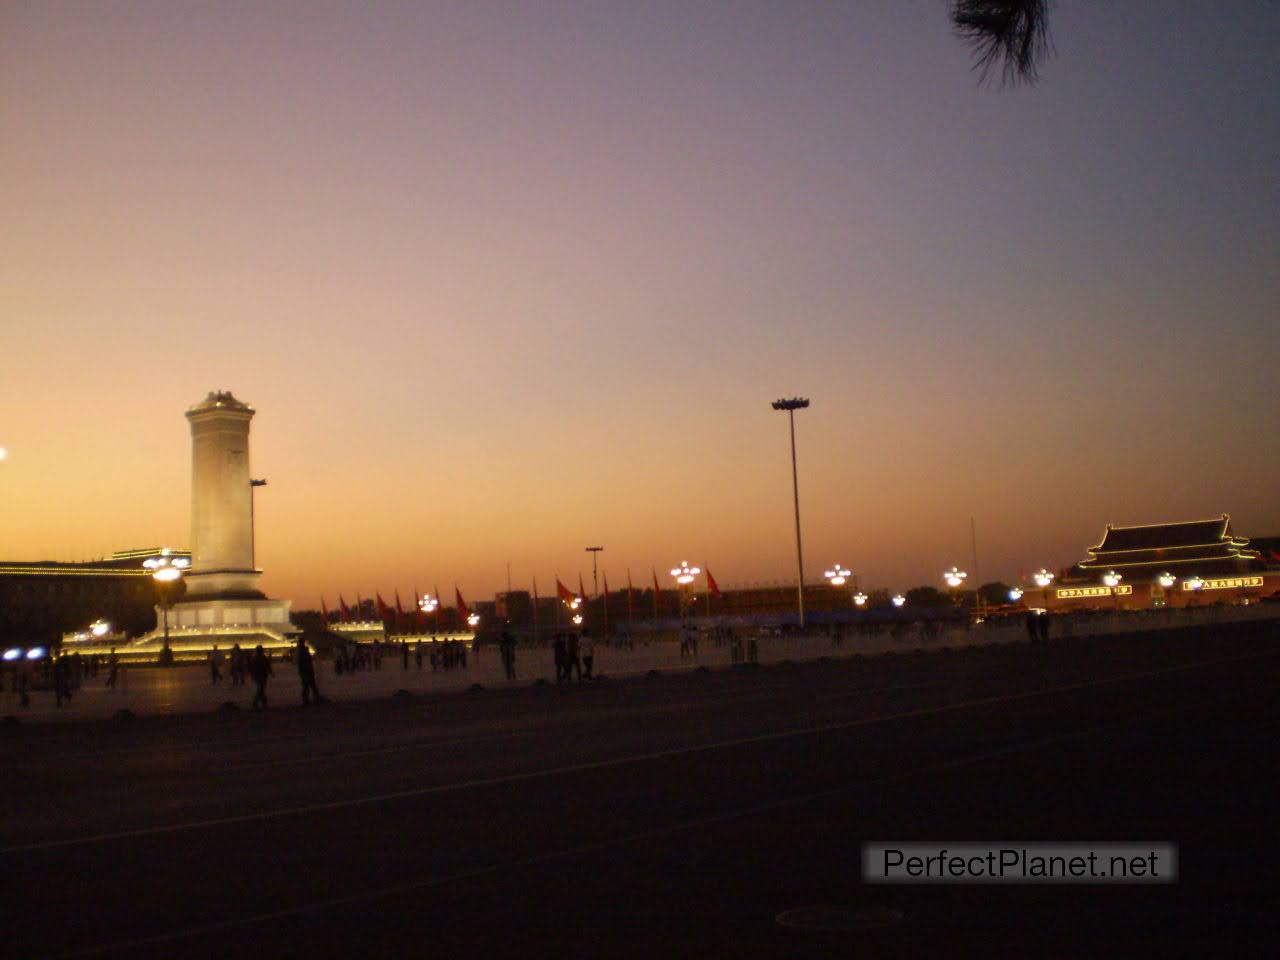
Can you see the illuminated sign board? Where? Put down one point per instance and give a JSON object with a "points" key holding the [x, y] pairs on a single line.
{"points": [[1077, 593], [1227, 583]]}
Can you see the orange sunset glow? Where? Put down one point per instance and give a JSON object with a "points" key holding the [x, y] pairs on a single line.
{"points": [[501, 288]]}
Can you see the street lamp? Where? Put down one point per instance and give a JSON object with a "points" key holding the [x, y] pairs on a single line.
{"points": [[1166, 581], [473, 620], [99, 628], [595, 575], [430, 605], [837, 575], [955, 578], [166, 571], [791, 406], [577, 619], [684, 575], [1194, 582], [1112, 580], [860, 599], [1015, 594], [1043, 578], [899, 600]]}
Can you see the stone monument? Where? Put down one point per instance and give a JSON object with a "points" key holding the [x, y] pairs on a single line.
{"points": [[223, 604]]}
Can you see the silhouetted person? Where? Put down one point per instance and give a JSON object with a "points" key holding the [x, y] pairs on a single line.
{"points": [[1032, 626], [215, 665], [588, 651], [307, 674], [113, 668], [404, 654], [562, 658], [1043, 626], [572, 660], [237, 666], [507, 647], [259, 671], [62, 680]]}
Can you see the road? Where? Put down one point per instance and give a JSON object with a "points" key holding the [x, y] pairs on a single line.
{"points": [[660, 816]]}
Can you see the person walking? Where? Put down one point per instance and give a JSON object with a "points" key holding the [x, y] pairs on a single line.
{"points": [[259, 671], [307, 674], [588, 651], [237, 666], [507, 646], [62, 680], [215, 665], [562, 657], [573, 659], [113, 668]]}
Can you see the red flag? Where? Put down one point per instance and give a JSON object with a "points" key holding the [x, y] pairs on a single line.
{"points": [[419, 617], [463, 610], [324, 611], [342, 605], [359, 606], [383, 609], [630, 591], [582, 593], [712, 585], [399, 611], [563, 592], [606, 604], [657, 590]]}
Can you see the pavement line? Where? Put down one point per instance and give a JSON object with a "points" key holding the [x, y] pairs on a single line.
{"points": [[415, 792], [767, 806]]}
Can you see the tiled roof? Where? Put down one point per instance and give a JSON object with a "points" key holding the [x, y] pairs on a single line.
{"points": [[1163, 536]]}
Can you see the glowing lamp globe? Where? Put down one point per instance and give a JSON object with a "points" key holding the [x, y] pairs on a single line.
{"points": [[899, 600]]}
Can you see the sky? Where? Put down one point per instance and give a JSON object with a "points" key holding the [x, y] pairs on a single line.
{"points": [[507, 280]]}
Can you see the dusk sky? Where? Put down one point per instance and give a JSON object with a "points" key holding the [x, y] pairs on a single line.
{"points": [[508, 280]]}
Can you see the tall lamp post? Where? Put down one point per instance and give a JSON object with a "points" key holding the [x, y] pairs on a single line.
{"points": [[166, 571], [791, 406], [595, 573], [684, 575]]}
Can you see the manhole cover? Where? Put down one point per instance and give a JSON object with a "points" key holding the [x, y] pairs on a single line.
{"points": [[823, 918]]}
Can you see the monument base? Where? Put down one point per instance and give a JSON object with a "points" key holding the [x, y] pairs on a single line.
{"points": [[197, 626]]}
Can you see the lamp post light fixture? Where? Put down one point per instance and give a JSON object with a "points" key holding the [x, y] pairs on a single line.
{"points": [[1043, 578], [473, 620], [431, 606], [899, 600], [1112, 580], [791, 406], [859, 599], [955, 578], [166, 571], [99, 628], [1015, 594], [838, 576], [1194, 582], [684, 575], [1167, 580], [577, 619]]}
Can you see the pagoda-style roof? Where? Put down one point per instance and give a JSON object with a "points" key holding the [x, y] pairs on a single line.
{"points": [[1195, 541]]}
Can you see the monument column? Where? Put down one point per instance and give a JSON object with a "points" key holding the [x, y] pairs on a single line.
{"points": [[222, 562]]}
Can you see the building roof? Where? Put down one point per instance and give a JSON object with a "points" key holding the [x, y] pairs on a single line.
{"points": [[1196, 542], [1165, 536]]}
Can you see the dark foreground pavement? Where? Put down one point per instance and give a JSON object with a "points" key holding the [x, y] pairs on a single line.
{"points": [[668, 816]]}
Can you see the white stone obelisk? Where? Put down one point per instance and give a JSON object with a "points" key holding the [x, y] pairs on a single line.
{"points": [[222, 561]]}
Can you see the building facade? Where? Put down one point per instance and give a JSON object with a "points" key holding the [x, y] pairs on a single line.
{"points": [[1188, 564]]}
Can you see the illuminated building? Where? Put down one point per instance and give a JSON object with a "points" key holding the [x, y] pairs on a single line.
{"points": [[40, 601], [1194, 563]]}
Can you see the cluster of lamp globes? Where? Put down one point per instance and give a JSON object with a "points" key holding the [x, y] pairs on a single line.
{"points": [[429, 604]]}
